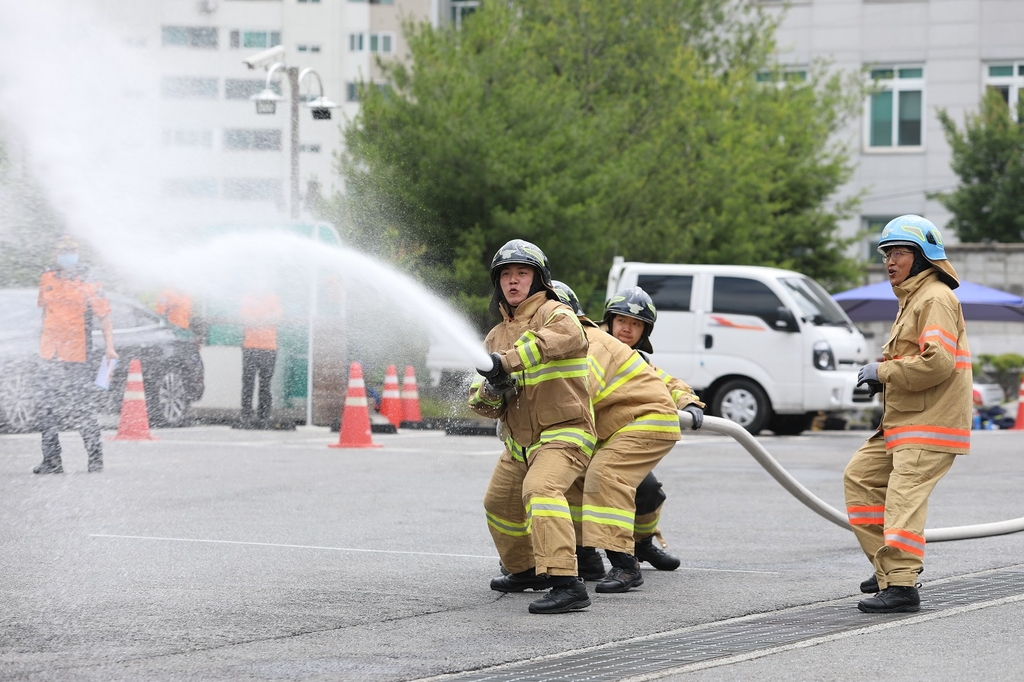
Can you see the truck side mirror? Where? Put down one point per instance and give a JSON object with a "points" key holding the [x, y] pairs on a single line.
{"points": [[785, 321]]}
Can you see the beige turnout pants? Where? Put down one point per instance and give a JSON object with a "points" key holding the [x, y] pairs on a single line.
{"points": [[603, 497], [527, 511], [887, 502]]}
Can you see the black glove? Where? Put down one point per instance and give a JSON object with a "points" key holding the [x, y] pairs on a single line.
{"points": [[499, 381], [869, 375], [697, 414], [497, 372]]}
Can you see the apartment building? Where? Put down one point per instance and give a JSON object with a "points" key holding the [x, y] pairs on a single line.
{"points": [[925, 55], [219, 148]]}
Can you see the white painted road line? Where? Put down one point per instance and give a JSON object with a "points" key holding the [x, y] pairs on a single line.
{"points": [[274, 544]]}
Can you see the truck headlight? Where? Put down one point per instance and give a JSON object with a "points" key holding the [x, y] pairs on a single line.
{"points": [[823, 358]]}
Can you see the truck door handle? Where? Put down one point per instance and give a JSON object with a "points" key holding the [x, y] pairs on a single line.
{"points": [[708, 341]]}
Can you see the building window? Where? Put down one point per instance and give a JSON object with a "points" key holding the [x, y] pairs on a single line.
{"points": [[314, 49], [268, 140], [188, 138], [190, 187], [190, 36], [355, 42], [895, 111], [1006, 78], [244, 88], [310, 148], [784, 76], [311, 2], [462, 9], [254, 189], [258, 39], [184, 87], [381, 42], [376, 2], [352, 92]]}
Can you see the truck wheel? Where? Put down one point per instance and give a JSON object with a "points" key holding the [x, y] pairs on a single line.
{"points": [[743, 402]]}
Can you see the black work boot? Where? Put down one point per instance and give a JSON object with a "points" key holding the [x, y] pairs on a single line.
{"points": [[893, 599], [647, 551], [591, 565], [621, 579], [519, 582], [49, 466], [870, 586], [563, 598]]}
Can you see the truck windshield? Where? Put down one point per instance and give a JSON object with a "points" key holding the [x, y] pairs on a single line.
{"points": [[815, 305]]}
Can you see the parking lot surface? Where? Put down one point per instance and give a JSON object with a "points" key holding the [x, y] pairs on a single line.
{"points": [[220, 555]]}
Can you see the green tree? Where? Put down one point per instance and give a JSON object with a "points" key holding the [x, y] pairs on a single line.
{"points": [[28, 225], [599, 128], [988, 155]]}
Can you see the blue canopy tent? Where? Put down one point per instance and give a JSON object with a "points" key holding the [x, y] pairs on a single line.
{"points": [[877, 303]]}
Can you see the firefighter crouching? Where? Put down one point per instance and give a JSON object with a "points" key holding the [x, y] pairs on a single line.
{"points": [[637, 425], [926, 385], [66, 294], [537, 387], [629, 316]]}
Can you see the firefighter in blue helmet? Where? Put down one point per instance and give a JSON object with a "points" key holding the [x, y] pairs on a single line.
{"points": [[926, 387]]}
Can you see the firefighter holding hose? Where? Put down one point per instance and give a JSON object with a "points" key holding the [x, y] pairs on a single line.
{"points": [[926, 383]]}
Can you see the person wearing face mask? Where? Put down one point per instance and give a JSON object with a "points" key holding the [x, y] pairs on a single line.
{"points": [[69, 297], [537, 389], [926, 385], [629, 316]]}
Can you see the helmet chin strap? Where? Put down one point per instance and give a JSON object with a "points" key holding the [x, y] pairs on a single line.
{"points": [[920, 264]]}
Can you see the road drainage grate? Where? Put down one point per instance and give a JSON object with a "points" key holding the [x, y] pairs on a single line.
{"points": [[658, 653]]}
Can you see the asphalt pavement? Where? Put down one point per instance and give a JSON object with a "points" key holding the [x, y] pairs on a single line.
{"points": [[214, 554]]}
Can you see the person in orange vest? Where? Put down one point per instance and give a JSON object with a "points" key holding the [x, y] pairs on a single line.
{"points": [[175, 307], [69, 297], [260, 315]]}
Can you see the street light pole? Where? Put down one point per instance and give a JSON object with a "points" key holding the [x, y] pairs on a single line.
{"points": [[293, 84], [266, 103]]}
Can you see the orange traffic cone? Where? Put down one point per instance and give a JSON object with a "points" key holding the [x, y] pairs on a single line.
{"points": [[391, 403], [411, 417], [355, 417], [1018, 425], [134, 424]]}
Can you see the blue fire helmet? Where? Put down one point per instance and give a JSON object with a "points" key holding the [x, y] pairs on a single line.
{"points": [[921, 233]]}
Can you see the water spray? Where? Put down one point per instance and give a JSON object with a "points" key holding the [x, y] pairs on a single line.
{"points": [[817, 505]]}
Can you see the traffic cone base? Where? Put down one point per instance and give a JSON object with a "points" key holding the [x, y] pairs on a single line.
{"points": [[134, 422], [391, 400], [355, 416], [411, 417]]}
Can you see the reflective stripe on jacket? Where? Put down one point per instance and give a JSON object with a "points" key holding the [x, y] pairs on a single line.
{"points": [[626, 393], [926, 376], [544, 348]]}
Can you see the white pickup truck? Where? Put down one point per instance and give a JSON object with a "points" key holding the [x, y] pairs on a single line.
{"points": [[764, 347]]}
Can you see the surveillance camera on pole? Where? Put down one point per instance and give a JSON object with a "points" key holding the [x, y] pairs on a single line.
{"points": [[266, 57]]}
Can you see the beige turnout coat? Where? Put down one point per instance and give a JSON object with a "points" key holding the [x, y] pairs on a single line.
{"points": [[926, 376]]}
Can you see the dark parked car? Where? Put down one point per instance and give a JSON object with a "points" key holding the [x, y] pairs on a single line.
{"points": [[171, 367]]}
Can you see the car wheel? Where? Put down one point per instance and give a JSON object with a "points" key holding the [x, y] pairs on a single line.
{"points": [[743, 402], [168, 406], [18, 411]]}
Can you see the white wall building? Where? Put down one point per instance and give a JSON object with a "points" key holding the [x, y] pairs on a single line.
{"points": [[926, 55], [208, 123]]}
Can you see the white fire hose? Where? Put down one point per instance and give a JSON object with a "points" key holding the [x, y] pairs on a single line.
{"points": [[815, 504]]}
